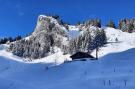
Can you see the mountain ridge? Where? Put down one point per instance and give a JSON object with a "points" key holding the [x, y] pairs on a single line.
{"points": [[49, 34]]}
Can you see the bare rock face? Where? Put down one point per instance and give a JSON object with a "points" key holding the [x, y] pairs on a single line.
{"points": [[48, 24], [43, 24]]}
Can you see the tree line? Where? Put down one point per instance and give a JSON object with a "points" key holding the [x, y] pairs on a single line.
{"points": [[126, 25], [87, 42], [9, 39]]}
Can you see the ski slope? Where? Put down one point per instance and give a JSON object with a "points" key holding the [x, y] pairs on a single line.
{"points": [[114, 69]]}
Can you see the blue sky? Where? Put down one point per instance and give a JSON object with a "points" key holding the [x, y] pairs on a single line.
{"points": [[19, 16]]}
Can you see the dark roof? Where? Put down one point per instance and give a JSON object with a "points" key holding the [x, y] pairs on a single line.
{"points": [[79, 55]]}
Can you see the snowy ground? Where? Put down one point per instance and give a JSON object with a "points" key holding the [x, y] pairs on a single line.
{"points": [[124, 42], [114, 70]]}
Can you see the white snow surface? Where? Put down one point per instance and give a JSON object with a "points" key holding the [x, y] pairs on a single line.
{"points": [[115, 68], [73, 32], [125, 41]]}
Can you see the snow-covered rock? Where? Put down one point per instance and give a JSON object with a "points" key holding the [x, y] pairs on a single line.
{"points": [[50, 33], [47, 23]]}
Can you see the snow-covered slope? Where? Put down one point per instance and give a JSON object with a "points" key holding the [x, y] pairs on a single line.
{"points": [[73, 32], [118, 41], [57, 58], [114, 69]]}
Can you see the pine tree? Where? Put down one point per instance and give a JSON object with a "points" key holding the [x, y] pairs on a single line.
{"points": [[18, 38], [97, 23], [93, 22], [127, 25], [78, 23], [98, 41], [10, 39], [111, 24]]}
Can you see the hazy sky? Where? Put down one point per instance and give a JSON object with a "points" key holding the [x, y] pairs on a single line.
{"points": [[19, 16]]}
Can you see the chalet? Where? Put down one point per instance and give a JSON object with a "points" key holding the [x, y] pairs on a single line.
{"points": [[82, 56]]}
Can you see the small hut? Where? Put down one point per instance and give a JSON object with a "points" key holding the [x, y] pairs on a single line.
{"points": [[81, 55]]}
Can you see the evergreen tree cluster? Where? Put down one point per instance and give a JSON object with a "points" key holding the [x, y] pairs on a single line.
{"points": [[127, 25], [10, 39], [111, 24], [87, 42], [93, 22], [98, 40], [29, 49], [60, 21], [36, 47]]}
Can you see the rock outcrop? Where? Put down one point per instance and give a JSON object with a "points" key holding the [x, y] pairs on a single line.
{"points": [[49, 34]]}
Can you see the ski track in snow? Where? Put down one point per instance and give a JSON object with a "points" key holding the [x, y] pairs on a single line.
{"points": [[114, 69]]}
